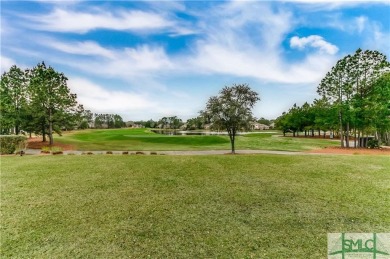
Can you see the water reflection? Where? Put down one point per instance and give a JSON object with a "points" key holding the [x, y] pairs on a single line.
{"points": [[199, 133]]}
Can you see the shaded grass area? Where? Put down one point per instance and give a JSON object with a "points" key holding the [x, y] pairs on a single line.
{"points": [[261, 206], [142, 139]]}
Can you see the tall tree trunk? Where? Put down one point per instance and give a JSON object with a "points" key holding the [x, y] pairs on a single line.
{"points": [[233, 147], [232, 134], [347, 135], [341, 129], [50, 128], [43, 132], [358, 139], [354, 134]]}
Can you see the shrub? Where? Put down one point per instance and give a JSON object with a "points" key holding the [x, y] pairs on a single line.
{"points": [[153, 153], [10, 143], [373, 143], [109, 152], [125, 152], [139, 153], [45, 150], [56, 150]]}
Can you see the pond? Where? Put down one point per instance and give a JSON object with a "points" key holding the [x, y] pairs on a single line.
{"points": [[199, 133]]}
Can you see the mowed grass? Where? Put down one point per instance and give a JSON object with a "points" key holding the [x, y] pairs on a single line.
{"points": [[244, 206], [143, 139]]}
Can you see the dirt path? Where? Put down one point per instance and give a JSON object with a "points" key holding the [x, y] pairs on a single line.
{"points": [[351, 151]]}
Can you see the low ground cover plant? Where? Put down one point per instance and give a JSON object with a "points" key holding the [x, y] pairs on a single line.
{"points": [[56, 150], [45, 150], [11, 143]]}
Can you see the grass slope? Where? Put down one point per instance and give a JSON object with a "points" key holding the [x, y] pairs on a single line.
{"points": [[141, 139], [261, 206]]}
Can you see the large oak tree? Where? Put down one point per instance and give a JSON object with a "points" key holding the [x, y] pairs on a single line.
{"points": [[232, 109]]}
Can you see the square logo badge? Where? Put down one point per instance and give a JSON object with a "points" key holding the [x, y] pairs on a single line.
{"points": [[358, 245]]}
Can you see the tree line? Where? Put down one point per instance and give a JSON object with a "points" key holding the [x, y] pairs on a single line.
{"points": [[90, 120], [354, 101], [174, 122], [39, 101], [203, 121]]}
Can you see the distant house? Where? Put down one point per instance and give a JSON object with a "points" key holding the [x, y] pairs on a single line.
{"points": [[132, 124], [207, 126], [162, 126], [259, 126], [129, 123]]}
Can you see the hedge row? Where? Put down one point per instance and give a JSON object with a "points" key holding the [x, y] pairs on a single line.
{"points": [[10, 143]]}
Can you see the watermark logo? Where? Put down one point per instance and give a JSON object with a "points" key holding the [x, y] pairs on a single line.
{"points": [[358, 245]]}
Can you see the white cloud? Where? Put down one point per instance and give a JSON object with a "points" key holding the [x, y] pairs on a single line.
{"points": [[235, 40], [62, 20], [6, 64], [377, 38], [132, 64], [99, 99], [58, 2], [338, 21], [88, 48], [335, 4], [142, 62], [130, 105], [361, 23], [227, 47], [314, 41]]}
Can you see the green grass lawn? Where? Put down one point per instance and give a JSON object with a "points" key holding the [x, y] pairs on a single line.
{"points": [[245, 206], [142, 139]]}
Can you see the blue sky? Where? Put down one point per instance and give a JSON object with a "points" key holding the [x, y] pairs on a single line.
{"points": [[152, 59]]}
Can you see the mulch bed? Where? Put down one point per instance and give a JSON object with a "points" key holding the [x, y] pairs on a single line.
{"points": [[352, 151], [320, 137], [36, 143]]}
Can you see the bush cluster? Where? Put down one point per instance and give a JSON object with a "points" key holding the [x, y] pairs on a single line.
{"points": [[10, 143], [373, 143]]}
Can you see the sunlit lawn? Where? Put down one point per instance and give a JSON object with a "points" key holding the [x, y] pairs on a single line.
{"points": [[142, 139], [246, 206]]}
